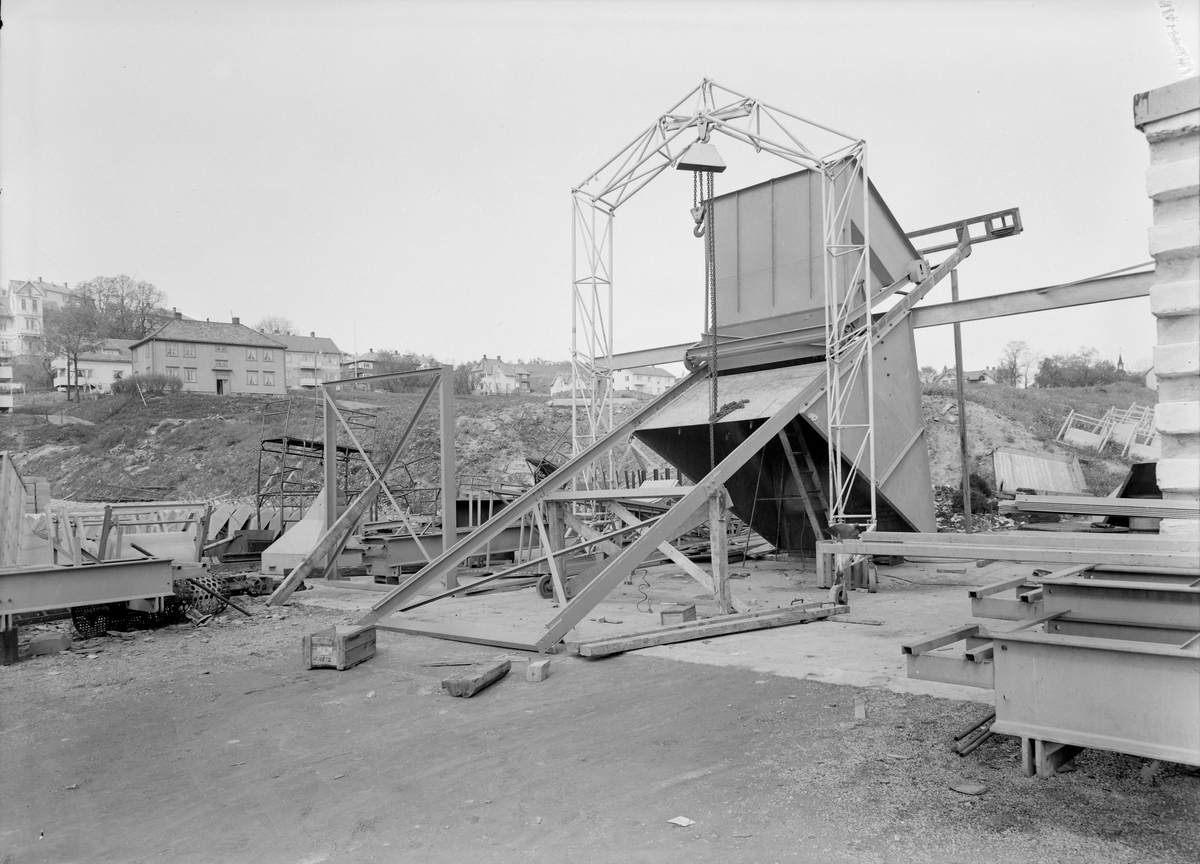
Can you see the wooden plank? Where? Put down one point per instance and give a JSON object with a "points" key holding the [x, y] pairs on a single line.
{"points": [[719, 545], [476, 678], [709, 628], [799, 478]]}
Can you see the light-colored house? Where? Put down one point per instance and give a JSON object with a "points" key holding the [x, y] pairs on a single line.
{"points": [[21, 306], [495, 377], [97, 370], [977, 376], [562, 386], [643, 379], [309, 360], [212, 357]]}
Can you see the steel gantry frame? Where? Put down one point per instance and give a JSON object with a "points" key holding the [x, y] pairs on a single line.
{"points": [[848, 298]]}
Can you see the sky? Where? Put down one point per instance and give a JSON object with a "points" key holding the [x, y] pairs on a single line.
{"points": [[397, 175]]}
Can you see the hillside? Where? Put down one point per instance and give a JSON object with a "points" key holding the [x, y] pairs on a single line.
{"points": [[188, 446]]}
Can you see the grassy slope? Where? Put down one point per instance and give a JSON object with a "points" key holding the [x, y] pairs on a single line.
{"points": [[192, 445], [1044, 411]]}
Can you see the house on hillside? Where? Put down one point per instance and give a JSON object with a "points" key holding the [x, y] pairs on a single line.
{"points": [[643, 379], [978, 376], [211, 357], [22, 304], [495, 377], [97, 370], [309, 360], [562, 386]]}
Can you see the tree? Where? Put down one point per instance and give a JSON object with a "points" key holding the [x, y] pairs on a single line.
{"points": [[928, 374], [466, 379], [1081, 369], [124, 307], [1013, 361], [276, 324], [71, 331]]}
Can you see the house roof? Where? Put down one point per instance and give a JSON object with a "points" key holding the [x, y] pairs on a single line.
{"points": [[308, 344], [120, 345], [652, 371], [487, 364], [210, 332]]}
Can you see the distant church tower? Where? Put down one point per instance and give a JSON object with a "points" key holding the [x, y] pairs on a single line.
{"points": [[1120, 363]]}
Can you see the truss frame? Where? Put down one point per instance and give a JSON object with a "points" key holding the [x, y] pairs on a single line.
{"points": [[707, 108]]}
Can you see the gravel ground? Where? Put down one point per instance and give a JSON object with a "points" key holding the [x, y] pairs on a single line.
{"points": [[211, 744]]}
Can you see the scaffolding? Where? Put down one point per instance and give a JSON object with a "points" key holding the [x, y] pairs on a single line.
{"points": [[291, 450]]}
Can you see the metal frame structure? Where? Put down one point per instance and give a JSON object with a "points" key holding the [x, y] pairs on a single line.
{"points": [[843, 169]]}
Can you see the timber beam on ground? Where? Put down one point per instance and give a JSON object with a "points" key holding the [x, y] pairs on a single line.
{"points": [[708, 628]]}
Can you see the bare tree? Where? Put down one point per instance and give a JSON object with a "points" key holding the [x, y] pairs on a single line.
{"points": [[71, 331], [276, 324], [125, 308], [1012, 364]]}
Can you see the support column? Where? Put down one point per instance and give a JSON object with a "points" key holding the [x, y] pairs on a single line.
{"points": [[719, 548], [1170, 119], [449, 490], [963, 449], [329, 465]]}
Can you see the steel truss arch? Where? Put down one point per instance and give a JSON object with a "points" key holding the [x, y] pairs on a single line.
{"points": [[841, 161]]}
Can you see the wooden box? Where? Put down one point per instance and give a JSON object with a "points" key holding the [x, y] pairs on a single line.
{"points": [[678, 614], [339, 647]]}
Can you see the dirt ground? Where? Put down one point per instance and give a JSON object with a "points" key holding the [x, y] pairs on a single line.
{"points": [[213, 745]]}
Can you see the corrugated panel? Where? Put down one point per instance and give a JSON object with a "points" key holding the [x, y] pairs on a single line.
{"points": [[1020, 469], [767, 392]]}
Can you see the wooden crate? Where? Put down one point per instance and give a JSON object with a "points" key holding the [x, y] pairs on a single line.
{"points": [[339, 647], [678, 614]]}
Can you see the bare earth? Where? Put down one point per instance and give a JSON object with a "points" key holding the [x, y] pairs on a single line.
{"points": [[213, 744]]}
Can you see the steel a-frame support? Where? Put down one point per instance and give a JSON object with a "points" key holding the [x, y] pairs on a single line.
{"points": [[617, 568]]}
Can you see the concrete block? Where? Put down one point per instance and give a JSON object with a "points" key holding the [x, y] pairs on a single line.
{"points": [[1175, 239], [1179, 529], [1180, 474], [1178, 418], [1178, 360], [48, 643], [678, 614], [537, 670], [1169, 299], [1177, 179], [1168, 129]]}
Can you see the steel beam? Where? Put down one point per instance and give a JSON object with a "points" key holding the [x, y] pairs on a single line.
{"points": [[35, 589], [1082, 293], [623, 564]]}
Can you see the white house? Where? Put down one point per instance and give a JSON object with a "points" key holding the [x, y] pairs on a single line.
{"points": [[977, 376], [494, 376], [21, 306], [643, 379], [97, 369], [562, 386]]}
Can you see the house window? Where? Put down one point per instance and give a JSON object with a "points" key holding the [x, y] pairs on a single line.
{"points": [[251, 354], [290, 374], [23, 306], [252, 376], [189, 374], [4, 346], [221, 349], [189, 350], [173, 371], [133, 354], [112, 351], [268, 379], [268, 355], [172, 349], [34, 302], [306, 359], [87, 373]]}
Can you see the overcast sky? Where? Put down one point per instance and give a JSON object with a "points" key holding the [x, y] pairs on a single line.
{"points": [[397, 175]]}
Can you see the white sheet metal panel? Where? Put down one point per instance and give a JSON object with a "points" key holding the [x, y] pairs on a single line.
{"points": [[767, 391], [770, 252], [1042, 472]]}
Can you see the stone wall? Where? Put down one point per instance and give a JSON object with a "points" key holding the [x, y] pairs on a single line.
{"points": [[1170, 119]]}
